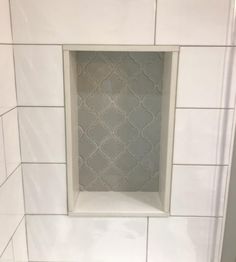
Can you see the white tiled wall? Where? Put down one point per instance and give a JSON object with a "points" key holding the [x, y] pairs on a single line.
{"points": [[201, 76], [84, 21], [204, 115], [202, 136], [45, 188], [3, 172], [62, 238], [19, 243], [12, 224], [198, 190], [42, 133], [5, 23], [192, 22], [39, 75], [16, 250], [184, 239], [8, 255], [7, 79], [11, 206], [11, 140]]}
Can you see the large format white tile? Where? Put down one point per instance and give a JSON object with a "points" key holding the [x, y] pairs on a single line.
{"points": [[5, 22], [20, 244], [192, 22], [42, 132], [198, 190], [192, 239], [7, 79], [3, 173], [202, 136], [11, 207], [7, 255], [39, 75], [201, 78], [84, 21], [45, 188], [11, 140], [62, 238]]}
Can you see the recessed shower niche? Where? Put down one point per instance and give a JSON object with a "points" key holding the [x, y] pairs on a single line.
{"points": [[120, 103]]}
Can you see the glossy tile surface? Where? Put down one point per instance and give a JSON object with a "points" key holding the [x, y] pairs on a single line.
{"points": [[3, 173], [5, 24], [39, 75], [192, 22], [183, 239], [198, 190], [7, 255], [201, 78], [11, 207], [42, 134], [202, 136], [62, 238], [20, 244], [45, 188], [87, 22], [11, 140], [7, 79]]}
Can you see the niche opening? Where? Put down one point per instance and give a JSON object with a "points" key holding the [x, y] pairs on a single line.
{"points": [[120, 104]]}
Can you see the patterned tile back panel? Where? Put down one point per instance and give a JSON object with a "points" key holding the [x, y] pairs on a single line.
{"points": [[119, 101]]}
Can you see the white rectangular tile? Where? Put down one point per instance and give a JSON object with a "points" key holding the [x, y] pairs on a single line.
{"points": [[198, 190], [84, 22], [201, 78], [62, 238], [5, 22], [3, 172], [45, 188], [39, 75], [11, 140], [191, 239], [202, 136], [7, 255], [192, 22], [7, 79], [19, 243], [42, 132], [11, 207]]}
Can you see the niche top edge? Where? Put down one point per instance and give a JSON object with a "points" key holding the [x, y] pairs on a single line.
{"points": [[119, 48]]}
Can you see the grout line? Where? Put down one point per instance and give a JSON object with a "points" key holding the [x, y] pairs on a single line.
{"points": [[26, 235], [24, 198], [8, 177], [147, 236], [38, 106], [64, 43], [22, 180], [184, 164], [43, 163], [11, 22], [196, 216], [4, 151], [123, 216], [12, 236], [9, 110], [155, 22], [206, 108], [12, 249]]}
